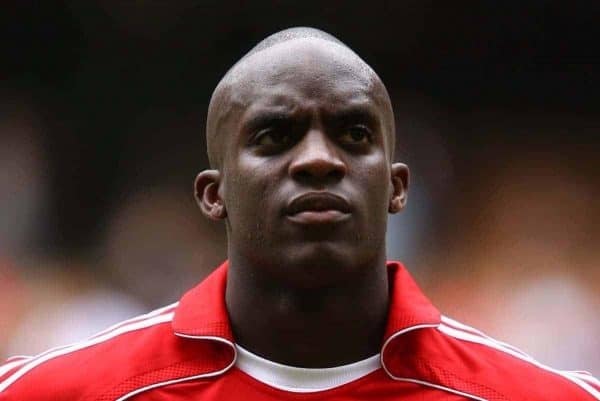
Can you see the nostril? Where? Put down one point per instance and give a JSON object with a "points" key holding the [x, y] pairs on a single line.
{"points": [[301, 175], [311, 172], [337, 174]]}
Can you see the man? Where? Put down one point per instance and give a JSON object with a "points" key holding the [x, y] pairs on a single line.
{"points": [[300, 137]]}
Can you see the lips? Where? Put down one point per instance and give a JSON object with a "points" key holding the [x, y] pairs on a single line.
{"points": [[318, 207]]}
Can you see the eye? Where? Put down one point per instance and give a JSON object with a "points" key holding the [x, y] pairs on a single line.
{"points": [[270, 137], [356, 135]]}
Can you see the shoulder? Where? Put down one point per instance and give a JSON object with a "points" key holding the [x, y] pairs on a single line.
{"points": [[188, 340], [496, 367], [458, 359], [97, 364], [422, 346]]}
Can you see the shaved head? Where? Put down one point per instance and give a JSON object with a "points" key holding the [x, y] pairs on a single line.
{"points": [[283, 55]]}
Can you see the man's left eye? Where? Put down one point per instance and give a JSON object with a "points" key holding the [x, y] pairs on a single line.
{"points": [[355, 136]]}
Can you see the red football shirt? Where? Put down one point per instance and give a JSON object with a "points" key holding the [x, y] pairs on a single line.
{"points": [[186, 351]]}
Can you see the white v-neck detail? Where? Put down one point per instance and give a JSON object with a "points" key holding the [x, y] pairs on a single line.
{"points": [[302, 380]]}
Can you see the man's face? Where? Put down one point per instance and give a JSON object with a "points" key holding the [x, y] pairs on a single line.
{"points": [[305, 177]]}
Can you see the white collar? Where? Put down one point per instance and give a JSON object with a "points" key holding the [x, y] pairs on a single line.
{"points": [[302, 380]]}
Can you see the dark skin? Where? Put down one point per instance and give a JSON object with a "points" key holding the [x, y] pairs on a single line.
{"points": [[305, 183]]}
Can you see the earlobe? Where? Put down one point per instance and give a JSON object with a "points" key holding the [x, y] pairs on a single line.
{"points": [[208, 198], [399, 182]]}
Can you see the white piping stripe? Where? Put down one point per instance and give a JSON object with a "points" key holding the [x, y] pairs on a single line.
{"points": [[4, 369], [166, 383], [19, 357], [586, 377], [421, 382], [148, 315], [583, 384], [202, 376], [84, 344], [213, 338], [462, 335], [404, 331], [437, 386], [104, 332], [457, 325], [581, 372]]}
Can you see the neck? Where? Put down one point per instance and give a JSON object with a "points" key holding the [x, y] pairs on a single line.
{"points": [[314, 327]]}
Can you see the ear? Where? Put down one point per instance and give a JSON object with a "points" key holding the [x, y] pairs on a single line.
{"points": [[206, 192], [399, 180]]}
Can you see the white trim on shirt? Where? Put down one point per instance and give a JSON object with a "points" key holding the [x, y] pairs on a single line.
{"points": [[302, 380]]}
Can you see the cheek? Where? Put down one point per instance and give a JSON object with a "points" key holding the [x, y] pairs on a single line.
{"points": [[374, 174], [247, 189]]}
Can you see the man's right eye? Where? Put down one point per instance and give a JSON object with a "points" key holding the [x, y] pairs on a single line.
{"points": [[269, 137]]}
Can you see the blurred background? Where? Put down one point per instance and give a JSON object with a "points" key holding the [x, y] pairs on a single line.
{"points": [[103, 106]]}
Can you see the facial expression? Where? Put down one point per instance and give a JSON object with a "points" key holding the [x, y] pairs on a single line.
{"points": [[305, 179]]}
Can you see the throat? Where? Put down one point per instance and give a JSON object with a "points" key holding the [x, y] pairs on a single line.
{"points": [[317, 328]]}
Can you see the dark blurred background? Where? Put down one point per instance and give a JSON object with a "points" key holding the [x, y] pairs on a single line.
{"points": [[103, 108]]}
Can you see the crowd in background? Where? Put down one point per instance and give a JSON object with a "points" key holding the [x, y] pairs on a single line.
{"points": [[98, 222]]}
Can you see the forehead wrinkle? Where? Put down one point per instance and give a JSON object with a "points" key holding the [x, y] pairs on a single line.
{"points": [[322, 87]]}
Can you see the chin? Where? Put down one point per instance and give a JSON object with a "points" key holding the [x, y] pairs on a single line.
{"points": [[319, 264]]}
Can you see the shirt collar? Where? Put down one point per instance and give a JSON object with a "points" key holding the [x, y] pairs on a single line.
{"points": [[202, 313]]}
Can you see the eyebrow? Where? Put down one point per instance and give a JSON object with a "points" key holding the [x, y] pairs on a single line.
{"points": [[264, 118], [354, 114], [344, 115]]}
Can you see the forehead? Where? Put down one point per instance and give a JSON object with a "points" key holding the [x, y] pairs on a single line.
{"points": [[299, 74], [304, 71]]}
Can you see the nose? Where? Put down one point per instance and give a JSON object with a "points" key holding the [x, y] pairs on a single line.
{"points": [[316, 158]]}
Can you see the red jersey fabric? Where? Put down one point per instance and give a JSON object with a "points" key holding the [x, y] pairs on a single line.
{"points": [[186, 351]]}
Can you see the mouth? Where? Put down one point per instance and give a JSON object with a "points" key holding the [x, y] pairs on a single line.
{"points": [[318, 208]]}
